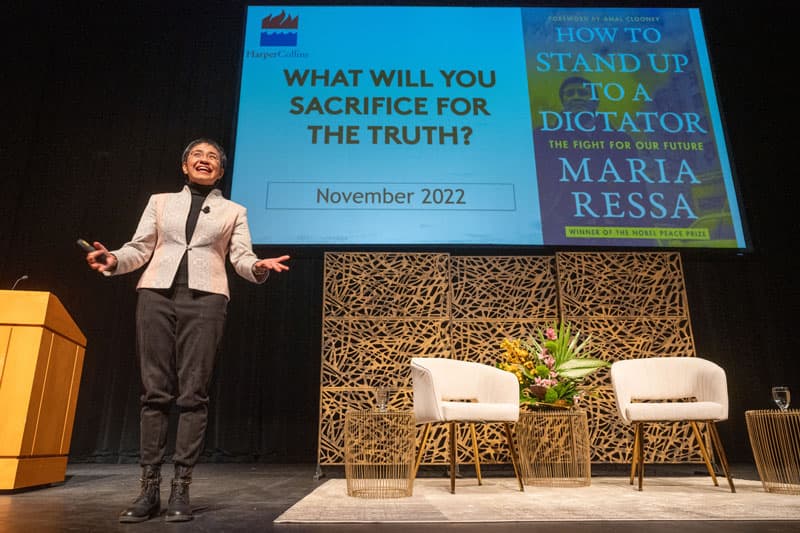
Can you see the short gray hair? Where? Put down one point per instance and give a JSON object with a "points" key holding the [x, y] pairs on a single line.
{"points": [[223, 159]]}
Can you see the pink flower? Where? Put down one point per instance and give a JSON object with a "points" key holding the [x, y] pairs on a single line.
{"points": [[550, 333], [545, 382]]}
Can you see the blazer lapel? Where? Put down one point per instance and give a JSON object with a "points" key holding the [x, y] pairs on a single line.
{"points": [[176, 212]]}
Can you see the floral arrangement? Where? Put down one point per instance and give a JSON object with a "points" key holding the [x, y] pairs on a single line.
{"points": [[548, 367]]}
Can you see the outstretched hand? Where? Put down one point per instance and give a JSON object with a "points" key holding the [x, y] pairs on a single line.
{"points": [[262, 266]]}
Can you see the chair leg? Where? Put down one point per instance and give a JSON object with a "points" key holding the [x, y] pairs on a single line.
{"points": [[635, 451], [475, 453], [640, 454], [423, 445], [703, 451], [514, 458], [723, 459], [452, 446]]}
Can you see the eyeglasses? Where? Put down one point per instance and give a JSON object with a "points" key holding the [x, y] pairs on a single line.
{"points": [[214, 156]]}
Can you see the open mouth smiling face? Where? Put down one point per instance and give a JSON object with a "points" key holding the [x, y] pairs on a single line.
{"points": [[203, 165]]}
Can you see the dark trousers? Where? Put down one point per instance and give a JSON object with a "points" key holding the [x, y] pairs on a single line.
{"points": [[177, 334]]}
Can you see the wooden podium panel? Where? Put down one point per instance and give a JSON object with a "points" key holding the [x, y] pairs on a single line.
{"points": [[41, 360]]}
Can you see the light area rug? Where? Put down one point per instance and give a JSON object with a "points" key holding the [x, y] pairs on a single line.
{"points": [[499, 500]]}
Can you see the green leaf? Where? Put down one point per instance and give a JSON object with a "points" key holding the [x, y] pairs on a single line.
{"points": [[580, 368], [551, 395], [580, 362]]}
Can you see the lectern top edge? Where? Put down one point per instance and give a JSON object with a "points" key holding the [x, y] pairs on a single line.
{"points": [[38, 308]]}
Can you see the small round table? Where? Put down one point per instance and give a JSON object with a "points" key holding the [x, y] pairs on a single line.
{"points": [[379, 453], [775, 440]]}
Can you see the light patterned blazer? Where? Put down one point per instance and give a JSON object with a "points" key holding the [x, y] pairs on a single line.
{"points": [[160, 239]]}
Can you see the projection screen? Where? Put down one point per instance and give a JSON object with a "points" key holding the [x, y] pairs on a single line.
{"points": [[555, 126]]}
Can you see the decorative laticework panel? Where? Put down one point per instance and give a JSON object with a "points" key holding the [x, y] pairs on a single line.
{"points": [[379, 311], [360, 285], [634, 305], [382, 309], [499, 297], [495, 297]]}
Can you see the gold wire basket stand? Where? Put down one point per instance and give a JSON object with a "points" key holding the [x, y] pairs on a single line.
{"points": [[379, 453], [554, 447], [775, 440]]}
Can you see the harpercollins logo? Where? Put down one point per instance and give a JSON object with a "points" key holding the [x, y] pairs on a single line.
{"points": [[279, 30]]}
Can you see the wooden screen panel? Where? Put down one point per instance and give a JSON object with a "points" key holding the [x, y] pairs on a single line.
{"points": [[491, 288], [364, 353], [495, 297], [379, 311], [634, 305], [386, 285], [621, 284], [498, 297]]}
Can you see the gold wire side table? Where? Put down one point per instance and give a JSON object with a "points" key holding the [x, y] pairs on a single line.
{"points": [[379, 453], [554, 447], [775, 440]]}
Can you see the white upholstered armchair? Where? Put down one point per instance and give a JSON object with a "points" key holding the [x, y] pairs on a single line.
{"points": [[672, 389], [451, 391]]}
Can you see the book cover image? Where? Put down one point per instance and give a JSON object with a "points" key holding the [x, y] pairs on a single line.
{"points": [[628, 142]]}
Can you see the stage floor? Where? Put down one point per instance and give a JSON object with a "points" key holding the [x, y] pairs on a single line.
{"points": [[248, 497]]}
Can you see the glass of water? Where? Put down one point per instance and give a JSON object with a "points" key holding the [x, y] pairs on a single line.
{"points": [[382, 398], [781, 397]]}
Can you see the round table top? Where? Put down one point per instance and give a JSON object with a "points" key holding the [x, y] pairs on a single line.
{"points": [[771, 412]]}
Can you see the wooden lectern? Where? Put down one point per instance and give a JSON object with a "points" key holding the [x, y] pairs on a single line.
{"points": [[41, 359]]}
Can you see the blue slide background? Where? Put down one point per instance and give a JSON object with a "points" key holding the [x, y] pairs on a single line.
{"points": [[274, 148], [301, 190]]}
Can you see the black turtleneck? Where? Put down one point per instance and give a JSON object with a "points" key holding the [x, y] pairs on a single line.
{"points": [[199, 194]]}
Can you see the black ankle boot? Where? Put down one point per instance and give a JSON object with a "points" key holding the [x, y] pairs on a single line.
{"points": [[148, 504], [179, 508]]}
